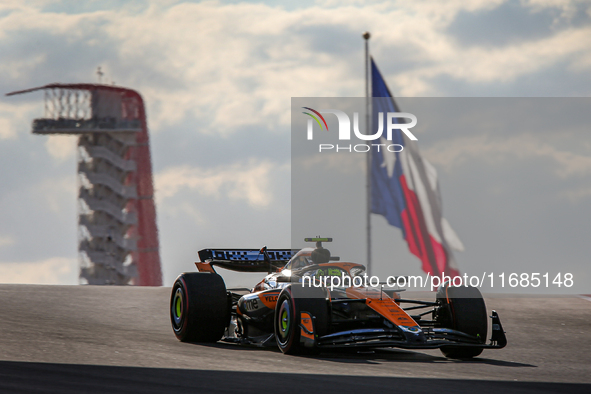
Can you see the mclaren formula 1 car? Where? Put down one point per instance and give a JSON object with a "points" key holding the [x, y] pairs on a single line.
{"points": [[292, 307]]}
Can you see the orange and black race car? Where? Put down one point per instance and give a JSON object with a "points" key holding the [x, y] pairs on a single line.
{"points": [[293, 309]]}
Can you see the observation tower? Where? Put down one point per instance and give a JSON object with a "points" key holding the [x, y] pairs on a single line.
{"points": [[117, 233]]}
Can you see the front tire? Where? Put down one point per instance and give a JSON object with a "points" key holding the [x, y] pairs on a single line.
{"points": [[462, 309], [292, 301], [199, 310]]}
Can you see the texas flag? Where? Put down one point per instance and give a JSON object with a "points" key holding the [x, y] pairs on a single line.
{"points": [[405, 190]]}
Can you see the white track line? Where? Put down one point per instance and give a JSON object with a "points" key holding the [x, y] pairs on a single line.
{"points": [[585, 297]]}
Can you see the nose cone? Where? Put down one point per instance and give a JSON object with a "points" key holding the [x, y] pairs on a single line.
{"points": [[413, 334]]}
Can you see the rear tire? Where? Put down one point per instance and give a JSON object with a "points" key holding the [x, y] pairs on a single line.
{"points": [[199, 310], [462, 309], [292, 301]]}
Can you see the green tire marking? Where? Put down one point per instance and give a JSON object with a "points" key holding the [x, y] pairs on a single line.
{"points": [[284, 320], [178, 306]]}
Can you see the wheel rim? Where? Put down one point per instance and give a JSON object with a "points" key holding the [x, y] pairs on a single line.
{"points": [[177, 307], [284, 322]]}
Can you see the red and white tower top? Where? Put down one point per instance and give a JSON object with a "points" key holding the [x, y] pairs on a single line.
{"points": [[117, 219]]}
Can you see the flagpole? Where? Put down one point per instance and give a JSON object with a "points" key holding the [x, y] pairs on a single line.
{"points": [[366, 37]]}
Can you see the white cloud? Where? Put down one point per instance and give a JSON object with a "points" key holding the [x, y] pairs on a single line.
{"points": [[6, 240], [500, 64], [568, 8], [576, 194], [15, 118], [232, 65], [454, 153], [240, 181], [342, 163], [22, 68], [6, 130], [214, 68], [183, 209], [61, 147], [53, 271], [58, 193]]}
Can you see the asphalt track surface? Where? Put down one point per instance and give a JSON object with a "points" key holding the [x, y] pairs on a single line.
{"points": [[86, 339]]}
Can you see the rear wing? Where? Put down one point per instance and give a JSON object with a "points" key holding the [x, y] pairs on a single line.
{"points": [[246, 260]]}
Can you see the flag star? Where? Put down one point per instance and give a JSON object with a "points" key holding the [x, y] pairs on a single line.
{"points": [[389, 158]]}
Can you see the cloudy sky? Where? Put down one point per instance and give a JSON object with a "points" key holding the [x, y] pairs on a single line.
{"points": [[218, 77]]}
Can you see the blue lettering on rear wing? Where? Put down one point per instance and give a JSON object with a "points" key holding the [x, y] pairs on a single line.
{"points": [[246, 260]]}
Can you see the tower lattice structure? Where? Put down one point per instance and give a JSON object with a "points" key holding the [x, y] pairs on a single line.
{"points": [[118, 237]]}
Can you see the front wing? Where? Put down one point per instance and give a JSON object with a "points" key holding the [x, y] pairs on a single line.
{"points": [[407, 338]]}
